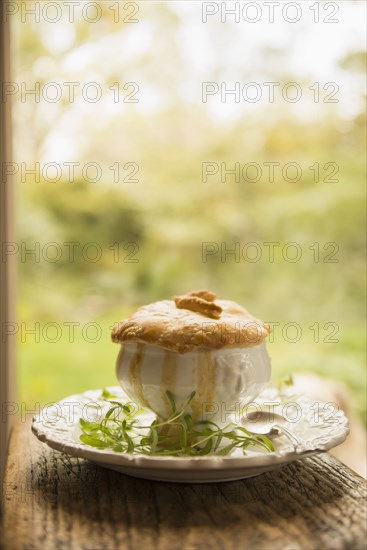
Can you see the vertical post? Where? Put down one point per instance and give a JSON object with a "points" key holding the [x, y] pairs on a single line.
{"points": [[7, 267]]}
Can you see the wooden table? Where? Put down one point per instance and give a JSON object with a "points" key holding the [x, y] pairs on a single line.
{"points": [[51, 500]]}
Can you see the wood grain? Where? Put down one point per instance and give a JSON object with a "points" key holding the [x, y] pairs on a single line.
{"points": [[51, 500]]}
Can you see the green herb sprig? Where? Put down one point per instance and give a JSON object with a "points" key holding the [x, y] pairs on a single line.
{"points": [[178, 435]]}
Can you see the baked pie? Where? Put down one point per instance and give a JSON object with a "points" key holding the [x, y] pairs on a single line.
{"points": [[193, 343], [188, 323]]}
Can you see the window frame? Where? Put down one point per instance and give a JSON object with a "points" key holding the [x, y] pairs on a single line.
{"points": [[8, 270]]}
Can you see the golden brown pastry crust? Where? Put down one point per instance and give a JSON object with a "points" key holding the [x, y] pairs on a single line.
{"points": [[165, 325]]}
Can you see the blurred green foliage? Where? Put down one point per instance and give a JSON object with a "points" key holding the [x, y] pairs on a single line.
{"points": [[171, 212]]}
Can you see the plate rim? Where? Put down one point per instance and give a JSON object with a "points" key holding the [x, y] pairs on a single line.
{"points": [[182, 463]]}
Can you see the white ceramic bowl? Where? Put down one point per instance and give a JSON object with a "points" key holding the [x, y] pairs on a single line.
{"points": [[224, 380]]}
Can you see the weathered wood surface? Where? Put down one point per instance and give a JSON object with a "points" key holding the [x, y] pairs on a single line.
{"points": [[51, 500]]}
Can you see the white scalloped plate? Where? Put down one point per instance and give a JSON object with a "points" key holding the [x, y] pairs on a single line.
{"points": [[317, 425]]}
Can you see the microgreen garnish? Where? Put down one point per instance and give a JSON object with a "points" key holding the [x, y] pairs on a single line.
{"points": [[177, 435], [107, 395], [284, 382]]}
